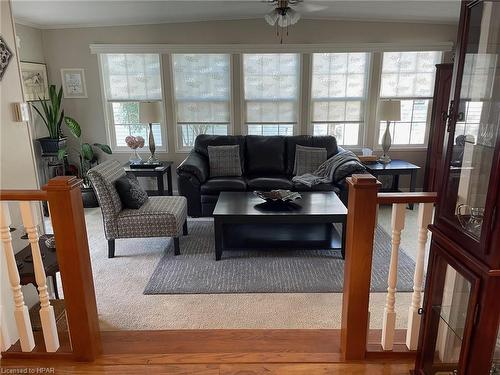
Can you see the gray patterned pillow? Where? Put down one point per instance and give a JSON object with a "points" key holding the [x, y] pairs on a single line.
{"points": [[224, 161], [308, 159]]}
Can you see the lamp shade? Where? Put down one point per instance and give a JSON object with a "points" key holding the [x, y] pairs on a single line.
{"points": [[389, 110], [149, 112]]}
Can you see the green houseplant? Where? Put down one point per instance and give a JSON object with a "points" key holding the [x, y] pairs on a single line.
{"points": [[52, 116], [86, 155]]}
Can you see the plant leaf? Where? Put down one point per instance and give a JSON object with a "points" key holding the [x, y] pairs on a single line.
{"points": [[42, 116], [104, 148], [87, 152], [73, 126], [61, 153]]}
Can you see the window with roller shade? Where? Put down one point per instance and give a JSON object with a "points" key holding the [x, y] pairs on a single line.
{"points": [[129, 79], [271, 93], [409, 77], [338, 95], [202, 96]]}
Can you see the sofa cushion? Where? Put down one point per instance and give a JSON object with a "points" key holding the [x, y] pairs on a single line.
{"points": [[224, 161], [328, 142], [204, 140], [308, 159], [319, 187], [131, 192], [218, 184], [269, 183], [265, 155]]}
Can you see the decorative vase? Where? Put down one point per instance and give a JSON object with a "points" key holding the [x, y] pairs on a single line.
{"points": [[135, 158], [152, 147], [386, 145]]}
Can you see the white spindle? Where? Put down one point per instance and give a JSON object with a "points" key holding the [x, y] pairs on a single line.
{"points": [[21, 314], [424, 219], [47, 317], [389, 321]]}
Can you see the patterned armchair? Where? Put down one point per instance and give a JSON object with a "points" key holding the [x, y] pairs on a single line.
{"points": [[163, 216]]}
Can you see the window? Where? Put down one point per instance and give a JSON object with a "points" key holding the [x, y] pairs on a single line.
{"points": [[129, 79], [409, 77], [202, 95], [271, 85], [338, 95]]}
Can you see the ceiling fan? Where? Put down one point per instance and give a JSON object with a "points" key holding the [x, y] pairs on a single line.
{"points": [[284, 15]]}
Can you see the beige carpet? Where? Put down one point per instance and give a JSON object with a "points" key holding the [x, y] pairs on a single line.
{"points": [[119, 283]]}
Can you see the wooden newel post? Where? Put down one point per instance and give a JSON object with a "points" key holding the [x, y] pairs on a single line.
{"points": [[68, 221], [361, 219]]}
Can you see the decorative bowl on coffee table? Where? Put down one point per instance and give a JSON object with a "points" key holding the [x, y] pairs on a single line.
{"points": [[278, 195]]}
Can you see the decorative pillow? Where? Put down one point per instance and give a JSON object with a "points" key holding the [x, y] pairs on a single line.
{"points": [[224, 161], [130, 191], [308, 159]]}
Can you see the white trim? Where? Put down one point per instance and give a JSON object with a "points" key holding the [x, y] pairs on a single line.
{"points": [[162, 48]]}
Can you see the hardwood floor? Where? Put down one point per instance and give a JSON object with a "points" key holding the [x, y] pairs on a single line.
{"points": [[61, 368], [221, 352]]}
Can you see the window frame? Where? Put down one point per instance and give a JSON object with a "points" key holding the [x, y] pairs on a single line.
{"points": [[365, 101], [108, 111], [400, 146], [230, 125], [243, 102]]}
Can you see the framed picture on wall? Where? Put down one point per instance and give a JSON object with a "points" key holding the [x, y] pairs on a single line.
{"points": [[73, 83], [35, 83], [5, 56]]}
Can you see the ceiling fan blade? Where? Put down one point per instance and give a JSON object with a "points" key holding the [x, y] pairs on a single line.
{"points": [[311, 7], [272, 17]]}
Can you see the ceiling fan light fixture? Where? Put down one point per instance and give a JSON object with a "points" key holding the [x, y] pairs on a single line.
{"points": [[272, 17]]}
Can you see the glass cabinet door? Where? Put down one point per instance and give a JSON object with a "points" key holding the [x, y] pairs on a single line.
{"points": [[450, 317], [474, 127]]}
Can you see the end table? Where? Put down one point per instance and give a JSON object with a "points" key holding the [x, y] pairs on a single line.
{"points": [[395, 168], [158, 173]]}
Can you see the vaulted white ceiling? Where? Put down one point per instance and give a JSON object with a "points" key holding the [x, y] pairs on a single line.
{"points": [[78, 13]]}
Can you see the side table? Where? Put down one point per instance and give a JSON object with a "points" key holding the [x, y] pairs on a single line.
{"points": [[157, 173], [395, 168], [26, 269]]}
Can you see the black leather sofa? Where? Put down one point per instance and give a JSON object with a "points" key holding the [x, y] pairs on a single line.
{"points": [[267, 163]]}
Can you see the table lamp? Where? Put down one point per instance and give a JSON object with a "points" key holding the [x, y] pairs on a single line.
{"points": [[388, 110], [150, 113]]}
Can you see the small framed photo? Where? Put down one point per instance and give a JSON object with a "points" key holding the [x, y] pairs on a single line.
{"points": [[35, 83], [73, 83]]}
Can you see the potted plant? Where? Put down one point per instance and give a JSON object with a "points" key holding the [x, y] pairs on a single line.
{"points": [[87, 158], [52, 116]]}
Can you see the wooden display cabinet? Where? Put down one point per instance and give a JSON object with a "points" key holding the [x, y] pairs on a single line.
{"points": [[461, 310]]}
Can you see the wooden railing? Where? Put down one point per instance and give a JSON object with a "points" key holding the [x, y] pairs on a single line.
{"points": [[361, 221], [66, 210]]}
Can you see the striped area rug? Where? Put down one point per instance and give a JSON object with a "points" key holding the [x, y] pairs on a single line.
{"points": [[195, 271]]}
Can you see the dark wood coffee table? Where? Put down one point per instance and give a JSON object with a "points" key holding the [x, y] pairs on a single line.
{"points": [[244, 221]]}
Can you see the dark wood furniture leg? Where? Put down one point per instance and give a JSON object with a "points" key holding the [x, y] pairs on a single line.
{"points": [[343, 239], [111, 248], [160, 185], [185, 228], [395, 182], [169, 180], [54, 282], [413, 184], [218, 238], [177, 249]]}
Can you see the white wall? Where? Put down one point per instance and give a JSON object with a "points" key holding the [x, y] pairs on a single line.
{"points": [[69, 48], [17, 167]]}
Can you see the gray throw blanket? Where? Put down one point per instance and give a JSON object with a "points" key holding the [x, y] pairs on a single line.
{"points": [[326, 171]]}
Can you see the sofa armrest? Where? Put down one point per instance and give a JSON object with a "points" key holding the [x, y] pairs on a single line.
{"points": [[195, 164]]}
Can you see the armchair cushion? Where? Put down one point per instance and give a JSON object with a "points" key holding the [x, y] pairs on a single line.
{"points": [[161, 216], [195, 164]]}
